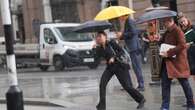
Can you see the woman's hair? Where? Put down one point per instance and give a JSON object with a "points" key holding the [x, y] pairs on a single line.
{"points": [[181, 15]]}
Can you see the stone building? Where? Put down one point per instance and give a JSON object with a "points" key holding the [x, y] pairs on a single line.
{"points": [[56, 10], [28, 13]]}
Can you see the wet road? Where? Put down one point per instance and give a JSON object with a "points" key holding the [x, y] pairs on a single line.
{"points": [[77, 89]]}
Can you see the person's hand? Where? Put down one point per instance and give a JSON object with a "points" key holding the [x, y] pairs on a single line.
{"points": [[94, 45], [164, 54], [157, 37], [144, 39], [188, 44], [118, 35], [111, 60]]}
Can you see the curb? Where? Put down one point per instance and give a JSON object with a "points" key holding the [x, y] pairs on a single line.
{"points": [[39, 102]]}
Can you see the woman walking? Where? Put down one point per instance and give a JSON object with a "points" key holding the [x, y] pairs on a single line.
{"points": [[110, 50], [189, 31]]}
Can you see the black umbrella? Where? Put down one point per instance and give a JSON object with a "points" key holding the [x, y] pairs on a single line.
{"points": [[93, 26], [155, 14]]}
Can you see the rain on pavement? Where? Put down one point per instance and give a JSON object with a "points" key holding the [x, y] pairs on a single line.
{"points": [[77, 88]]}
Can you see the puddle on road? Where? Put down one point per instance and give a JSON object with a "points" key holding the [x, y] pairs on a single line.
{"points": [[84, 90]]}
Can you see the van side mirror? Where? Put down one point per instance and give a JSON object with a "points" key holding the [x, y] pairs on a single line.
{"points": [[51, 41]]}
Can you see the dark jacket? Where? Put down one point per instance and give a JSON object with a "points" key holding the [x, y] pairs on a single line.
{"points": [[130, 35], [107, 52], [193, 26], [191, 51], [190, 38], [177, 67]]}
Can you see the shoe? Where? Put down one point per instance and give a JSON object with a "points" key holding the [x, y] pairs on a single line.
{"points": [[141, 89], [141, 104], [99, 107], [185, 105]]}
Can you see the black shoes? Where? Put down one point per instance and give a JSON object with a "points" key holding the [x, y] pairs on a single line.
{"points": [[141, 104]]}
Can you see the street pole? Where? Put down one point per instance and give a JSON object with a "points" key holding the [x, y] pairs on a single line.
{"points": [[173, 7], [14, 95], [131, 6]]}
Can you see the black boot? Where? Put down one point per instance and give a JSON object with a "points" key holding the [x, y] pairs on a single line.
{"points": [[141, 104]]}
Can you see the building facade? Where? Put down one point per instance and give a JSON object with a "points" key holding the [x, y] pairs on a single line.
{"points": [[73, 11], [27, 14]]}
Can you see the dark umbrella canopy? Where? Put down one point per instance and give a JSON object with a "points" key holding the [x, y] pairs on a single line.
{"points": [[155, 14], [93, 26]]}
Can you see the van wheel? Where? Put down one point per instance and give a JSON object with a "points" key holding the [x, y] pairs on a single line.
{"points": [[58, 63], [44, 67]]}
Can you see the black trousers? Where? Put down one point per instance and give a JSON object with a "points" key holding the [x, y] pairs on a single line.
{"points": [[122, 74]]}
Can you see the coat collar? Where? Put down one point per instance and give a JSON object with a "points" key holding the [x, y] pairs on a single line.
{"points": [[172, 28]]}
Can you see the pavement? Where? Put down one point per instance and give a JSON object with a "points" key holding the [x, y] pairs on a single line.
{"points": [[77, 89]]}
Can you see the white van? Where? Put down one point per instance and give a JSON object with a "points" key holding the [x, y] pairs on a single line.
{"points": [[58, 46]]}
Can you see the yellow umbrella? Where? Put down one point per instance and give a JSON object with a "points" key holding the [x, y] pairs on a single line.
{"points": [[113, 12]]}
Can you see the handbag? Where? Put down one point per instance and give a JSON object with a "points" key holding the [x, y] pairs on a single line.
{"points": [[123, 58]]}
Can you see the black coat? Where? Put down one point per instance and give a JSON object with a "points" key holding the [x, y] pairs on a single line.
{"points": [[107, 52], [191, 55]]}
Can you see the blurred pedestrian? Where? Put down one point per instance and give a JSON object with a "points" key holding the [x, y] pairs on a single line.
{"points": [[145, 45], [108, 50], [189, 31], [175, 64], [130, 35]]}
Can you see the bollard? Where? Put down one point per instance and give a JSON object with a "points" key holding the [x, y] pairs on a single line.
{"points": [[14, 95], [14, 98]]}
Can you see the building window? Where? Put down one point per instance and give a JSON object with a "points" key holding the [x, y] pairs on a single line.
{"points": [[65, 10], [112, 3]]}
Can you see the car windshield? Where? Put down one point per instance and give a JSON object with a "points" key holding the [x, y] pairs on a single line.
{"points": [[66, 34]]}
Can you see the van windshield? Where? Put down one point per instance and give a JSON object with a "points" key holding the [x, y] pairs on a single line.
{"points": [[66, 34]]}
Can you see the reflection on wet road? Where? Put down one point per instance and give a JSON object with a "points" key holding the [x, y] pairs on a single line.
{"points": [[78, 88]]}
